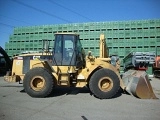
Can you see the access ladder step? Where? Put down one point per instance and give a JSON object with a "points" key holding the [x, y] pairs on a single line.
{"points": [[64, 74], [63, 82]]}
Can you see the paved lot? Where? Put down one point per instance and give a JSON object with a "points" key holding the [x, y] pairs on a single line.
{"points": [[75, 104]]}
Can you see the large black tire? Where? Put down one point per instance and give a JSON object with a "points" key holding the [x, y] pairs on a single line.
{"points": [[38, 82], [104, 83]]}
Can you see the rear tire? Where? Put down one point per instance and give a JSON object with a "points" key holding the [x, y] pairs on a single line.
{"points": [[38, 82], [104, 83]]}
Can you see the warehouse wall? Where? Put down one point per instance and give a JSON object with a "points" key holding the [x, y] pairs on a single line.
{"points": [[122, 36]]}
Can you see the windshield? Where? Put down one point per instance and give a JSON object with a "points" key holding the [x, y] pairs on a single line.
{"points": [[64, 50]]}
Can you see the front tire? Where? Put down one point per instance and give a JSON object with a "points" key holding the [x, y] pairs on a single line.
{"points": [[104, 83], [38, 82]]}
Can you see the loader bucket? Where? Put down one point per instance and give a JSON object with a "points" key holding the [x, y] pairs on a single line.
{"points": [[137, 84]]}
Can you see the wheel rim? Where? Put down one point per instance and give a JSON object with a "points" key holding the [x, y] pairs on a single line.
{"points": [[37, 83], [105, 84]]}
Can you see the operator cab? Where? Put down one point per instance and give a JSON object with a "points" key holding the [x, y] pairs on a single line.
{"points": [[68, 50]]}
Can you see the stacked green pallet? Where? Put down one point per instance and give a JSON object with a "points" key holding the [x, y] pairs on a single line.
{"points": [[122, 37]]}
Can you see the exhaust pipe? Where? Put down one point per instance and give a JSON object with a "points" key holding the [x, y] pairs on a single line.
{"points": [[137, 84]]}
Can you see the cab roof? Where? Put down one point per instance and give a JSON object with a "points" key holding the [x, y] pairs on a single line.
{"points": [[66, 33]]}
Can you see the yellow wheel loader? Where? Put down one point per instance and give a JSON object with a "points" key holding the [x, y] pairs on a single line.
{"points": [[68, 66]]}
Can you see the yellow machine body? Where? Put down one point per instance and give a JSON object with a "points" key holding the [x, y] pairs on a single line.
{"points": [[92, 64]]}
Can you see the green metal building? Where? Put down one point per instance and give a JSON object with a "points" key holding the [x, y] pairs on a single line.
{"points": [[122, 37]]}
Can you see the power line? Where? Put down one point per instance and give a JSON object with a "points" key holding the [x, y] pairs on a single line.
{"points": [[15, 19], [4, 32], [39, 10], [53, 2], [7, 25]]}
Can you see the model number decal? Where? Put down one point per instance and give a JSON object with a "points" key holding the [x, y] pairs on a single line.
{"points": [[36, 57]]}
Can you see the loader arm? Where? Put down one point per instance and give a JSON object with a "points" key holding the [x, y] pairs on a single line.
{"points": [[103, 47]]}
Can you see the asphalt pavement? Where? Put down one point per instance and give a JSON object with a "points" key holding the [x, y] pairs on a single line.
{"points": [[75, 104]]}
